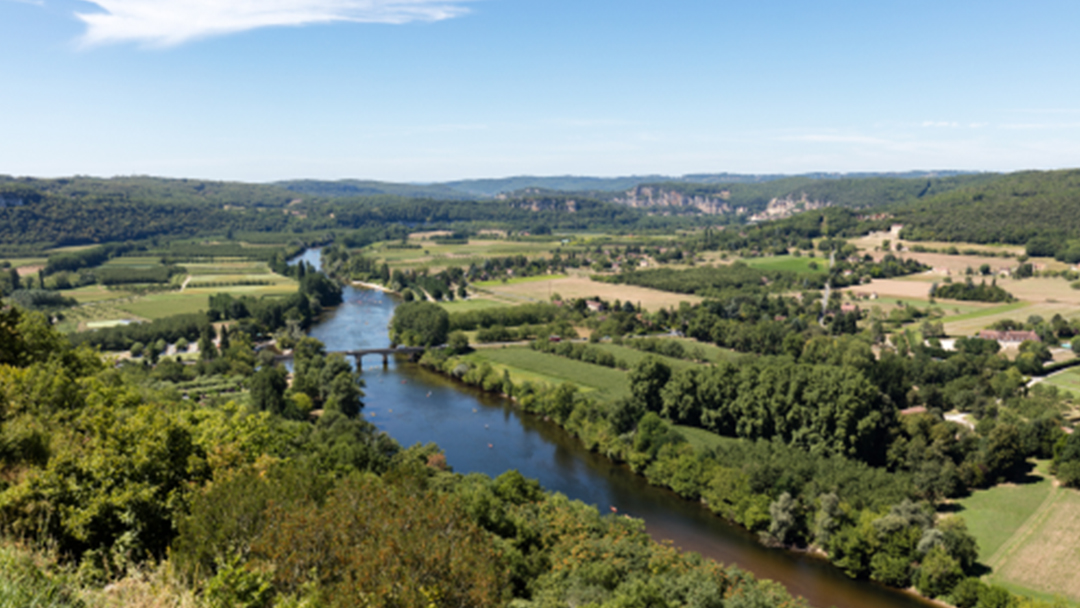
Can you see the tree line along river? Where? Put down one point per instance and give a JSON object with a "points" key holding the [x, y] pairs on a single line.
{"points": [[486, 434]]}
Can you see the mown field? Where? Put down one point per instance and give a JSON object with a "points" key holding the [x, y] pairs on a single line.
{"points": [[525, 364], [1029, 535], [1067, 380], [584, 287]]}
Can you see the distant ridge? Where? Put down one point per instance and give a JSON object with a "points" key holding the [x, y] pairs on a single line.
{"points": [[491, 187]]}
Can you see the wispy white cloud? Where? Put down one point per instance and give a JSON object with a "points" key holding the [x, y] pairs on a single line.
{"points": [[834, 138], [165, 23], [940, 124]]}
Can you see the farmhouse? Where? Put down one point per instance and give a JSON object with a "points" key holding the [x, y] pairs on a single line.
{"points": [[1009, 337]]}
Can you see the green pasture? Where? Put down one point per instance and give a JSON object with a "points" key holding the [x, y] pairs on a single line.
{"points": [[981, 312], [94, 293], [21, 262], [470, 304], [527, 364], [994, 515], [134, 262], [702, 439], [1067, 380], [69, 248], [789, 263], [160, 305]]}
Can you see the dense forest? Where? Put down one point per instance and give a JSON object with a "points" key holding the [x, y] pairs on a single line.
{"points": [[1013, 208]]}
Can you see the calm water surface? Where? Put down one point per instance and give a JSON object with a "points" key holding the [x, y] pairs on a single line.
{"points": [[486, 434]]}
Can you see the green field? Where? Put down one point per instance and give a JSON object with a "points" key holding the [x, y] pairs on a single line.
{"points": [[981, 312], [20, 262], [470, 304], [95, 293], [159, 305], [789, 263], [702, 439], [524, 363], [134, 262], [1067, 380], [993, 516], [1029, 536]]}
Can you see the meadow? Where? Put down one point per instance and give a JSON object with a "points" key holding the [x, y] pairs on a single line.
{"points": [[525, 364], [1067, 380], [1028, 535]]}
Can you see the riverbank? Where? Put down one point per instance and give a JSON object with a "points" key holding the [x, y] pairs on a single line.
{"points": [[666, 469], [374, 286]]}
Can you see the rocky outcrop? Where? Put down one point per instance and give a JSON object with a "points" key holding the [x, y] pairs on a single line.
{"points": [[780, 208], [651, 196]]}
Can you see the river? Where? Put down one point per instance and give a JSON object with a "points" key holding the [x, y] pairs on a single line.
{"points": [[487, 434]]}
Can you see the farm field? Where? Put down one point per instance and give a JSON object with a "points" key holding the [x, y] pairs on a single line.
{"points": [[101, 305], [159, 305], [1029, 536], [134, 262], [520, 280], [702, 439], [95, 293], [434, 255], [1067, 380], [1042, 555], [19, 263], [526, 364], [584, 287], [993, 516], [473, 303]]}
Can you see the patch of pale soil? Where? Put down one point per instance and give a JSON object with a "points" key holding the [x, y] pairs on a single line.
{"points": [[895, 288], [584, 287], [1048, 558]]}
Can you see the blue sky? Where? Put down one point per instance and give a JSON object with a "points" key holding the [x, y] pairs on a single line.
{"points": [[424, 90]]}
